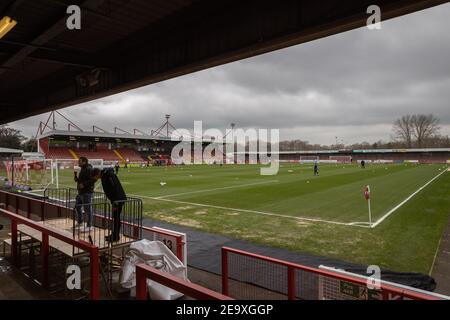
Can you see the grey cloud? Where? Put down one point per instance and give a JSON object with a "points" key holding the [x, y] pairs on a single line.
{"points": [[352, 85]]}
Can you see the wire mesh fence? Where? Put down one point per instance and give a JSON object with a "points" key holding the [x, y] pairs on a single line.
{"points": [[93, 218], [246, 275]]}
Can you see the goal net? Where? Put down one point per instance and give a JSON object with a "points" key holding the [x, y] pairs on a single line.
{"points": [[309, 159], [29, 174], [341, 159], [64, 169]]}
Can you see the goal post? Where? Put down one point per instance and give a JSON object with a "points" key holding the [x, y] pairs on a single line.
{"points": [[341, 159], [64, 168], [29, 174], [309, 159]]}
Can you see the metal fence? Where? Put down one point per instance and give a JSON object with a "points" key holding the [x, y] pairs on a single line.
{"points": [[250, 276], [102, 221]]}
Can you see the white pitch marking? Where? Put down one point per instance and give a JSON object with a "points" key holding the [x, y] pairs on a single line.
{"points": [[215, 189], [406, 200], [249, 211]]}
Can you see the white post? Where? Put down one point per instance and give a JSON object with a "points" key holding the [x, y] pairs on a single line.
{"points": [[51, 170], [56, 174], [26, 171]]}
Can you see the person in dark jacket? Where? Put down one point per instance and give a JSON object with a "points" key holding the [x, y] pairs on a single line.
{"points": [[316, 169], [114, 192], [85, 187]]}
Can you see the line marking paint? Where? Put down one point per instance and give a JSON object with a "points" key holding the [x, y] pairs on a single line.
{"points": [[406, 200]]}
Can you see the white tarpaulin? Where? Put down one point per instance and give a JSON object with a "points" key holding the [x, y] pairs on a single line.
{"points": [[156, 255]]}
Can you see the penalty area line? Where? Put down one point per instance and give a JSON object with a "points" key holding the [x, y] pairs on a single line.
{"points": [[251, 211], [216, 189], [406, 200]]}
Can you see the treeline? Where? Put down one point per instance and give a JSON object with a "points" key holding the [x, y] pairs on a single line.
{"points": [[409, 131], [13, 138]]}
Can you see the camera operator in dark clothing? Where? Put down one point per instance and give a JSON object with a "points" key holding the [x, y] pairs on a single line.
{"points": [[85, 187], [114, 192]]}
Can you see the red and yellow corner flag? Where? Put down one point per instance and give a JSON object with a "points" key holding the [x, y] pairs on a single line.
{"points": [[367, 192]]}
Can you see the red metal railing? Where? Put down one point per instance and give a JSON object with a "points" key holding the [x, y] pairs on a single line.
{"points": [[46, 233], [144, 272], [386, 289], [30, 206]]}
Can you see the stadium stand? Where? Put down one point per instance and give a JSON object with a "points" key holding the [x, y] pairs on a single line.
{"points": [[130, 154], [58, 153]]}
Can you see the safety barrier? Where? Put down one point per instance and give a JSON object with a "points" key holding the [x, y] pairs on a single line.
{"points": [[39, 210], [45, 234], [249, 273], [144, 272]]}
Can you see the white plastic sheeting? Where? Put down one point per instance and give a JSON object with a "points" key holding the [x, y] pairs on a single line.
{"points": [[156, 255]]}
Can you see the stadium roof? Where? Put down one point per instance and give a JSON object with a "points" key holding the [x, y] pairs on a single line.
{"points": [[110, 136], [445, 150], [9, 151], [87, 134], [128, 44]]}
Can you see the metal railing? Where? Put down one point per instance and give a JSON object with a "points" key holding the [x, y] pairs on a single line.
{"points": [[46, 233], [144, 272], [293, 274], [40, 210]]}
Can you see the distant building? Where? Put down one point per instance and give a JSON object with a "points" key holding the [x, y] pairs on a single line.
{"points": [[8, 152]]}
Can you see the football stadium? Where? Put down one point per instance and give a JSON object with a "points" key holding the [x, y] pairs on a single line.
{"points": [[132, 213]]}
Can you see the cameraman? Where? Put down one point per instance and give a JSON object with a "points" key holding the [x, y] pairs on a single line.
{"points": [[114, 192]]}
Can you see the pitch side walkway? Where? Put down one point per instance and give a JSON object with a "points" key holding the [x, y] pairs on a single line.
{"points": [[441, 270], [204, 253], [204, 250]]}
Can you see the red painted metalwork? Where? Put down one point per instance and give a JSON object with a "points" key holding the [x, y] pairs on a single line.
{"points": [[43, 205], [144, 272], [225, 289], [291, 283], [14, 242], [141, 283], [28, 208], [44, 255], [95, 289], [386, 289], [46, 232]]}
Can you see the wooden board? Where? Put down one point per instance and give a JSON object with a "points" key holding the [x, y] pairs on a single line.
{"points": [[65, 226]]}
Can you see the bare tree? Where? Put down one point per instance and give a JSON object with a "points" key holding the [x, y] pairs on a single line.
{"points": [[425, 127], [403, 129]]}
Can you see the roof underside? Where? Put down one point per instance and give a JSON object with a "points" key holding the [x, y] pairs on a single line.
{"points": [[128, 44]]}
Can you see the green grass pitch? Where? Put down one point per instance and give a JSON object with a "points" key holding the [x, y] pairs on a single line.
{"points": [[325, 215]]}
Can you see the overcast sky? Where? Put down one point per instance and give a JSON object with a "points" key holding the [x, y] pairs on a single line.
{"points": [[352, 85]]}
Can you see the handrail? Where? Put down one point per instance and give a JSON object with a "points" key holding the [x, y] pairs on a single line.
{"points": [[144, 272], [46, 233], [386, 288], [179, 243]]}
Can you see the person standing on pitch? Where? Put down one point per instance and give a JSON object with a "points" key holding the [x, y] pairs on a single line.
{"points": [[117, 167], [363, 164], [114, 192], [85, 187], [316, 169]]}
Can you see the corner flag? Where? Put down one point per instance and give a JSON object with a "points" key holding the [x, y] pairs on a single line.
{"points": [[367, 197], [367, 192]]}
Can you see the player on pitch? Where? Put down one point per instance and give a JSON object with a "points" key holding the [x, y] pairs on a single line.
{"points": [[316, 169]]}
